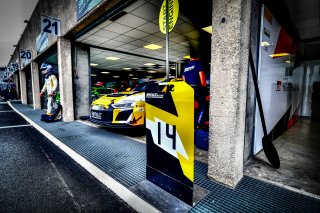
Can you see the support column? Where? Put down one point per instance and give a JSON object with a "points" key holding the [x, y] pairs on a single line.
{"points": [[35, 85], [23, 87], [228, 86], [17, 82], [65, 78], [82, 81]]}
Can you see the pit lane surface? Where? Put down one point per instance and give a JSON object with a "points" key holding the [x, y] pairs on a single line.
{"points": [[38, 177]]}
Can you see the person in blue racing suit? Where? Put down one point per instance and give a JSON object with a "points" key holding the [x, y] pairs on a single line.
{"points": [[193, 74], [50, 85]]}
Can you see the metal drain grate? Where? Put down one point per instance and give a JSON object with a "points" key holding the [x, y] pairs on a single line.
{"points": [[125, 160]]}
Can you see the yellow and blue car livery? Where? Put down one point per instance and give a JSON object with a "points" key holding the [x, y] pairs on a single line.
{"points": [[126, 109]]}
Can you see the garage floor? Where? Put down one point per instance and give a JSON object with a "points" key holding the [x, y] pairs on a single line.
{"points": [[299, 151]]}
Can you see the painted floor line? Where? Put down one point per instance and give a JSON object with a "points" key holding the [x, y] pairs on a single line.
{"points": [[6, 111], [16, 126], [125, 194]]}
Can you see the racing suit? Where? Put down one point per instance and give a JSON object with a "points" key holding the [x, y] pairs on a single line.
{"points": [[193, 74], [50, 85]]}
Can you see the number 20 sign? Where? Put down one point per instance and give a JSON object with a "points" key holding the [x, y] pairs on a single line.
{"points": [[50, 25]]}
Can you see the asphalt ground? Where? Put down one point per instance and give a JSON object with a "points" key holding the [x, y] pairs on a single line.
{"points": [[36, 176]]}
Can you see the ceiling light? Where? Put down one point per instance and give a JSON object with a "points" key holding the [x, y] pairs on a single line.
{"points": [[135, 78], [279, 55], [131, 75], [93, 74], [152, 47], [149, 76], [127, 68], [112, 58], [288, 62], [208, 29], [149, 64], [187, 57], [173, 68], [116, 76], [152, 71], [265, 43], [105, 72], [93, 64]]}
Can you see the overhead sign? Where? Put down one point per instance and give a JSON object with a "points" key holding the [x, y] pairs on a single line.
{"points": [[25, 56], [50, 25], [173, 13], [13, 67], [170, 138], [42, 41], [84, 6]]}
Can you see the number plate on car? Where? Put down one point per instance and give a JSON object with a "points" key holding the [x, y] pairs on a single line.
{"points": [[96, 115]]}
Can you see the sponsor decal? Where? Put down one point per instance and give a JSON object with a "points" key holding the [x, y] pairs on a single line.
{"points": [[154, 95]]}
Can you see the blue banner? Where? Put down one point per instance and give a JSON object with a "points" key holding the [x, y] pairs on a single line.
{"points": [[84, 6]]}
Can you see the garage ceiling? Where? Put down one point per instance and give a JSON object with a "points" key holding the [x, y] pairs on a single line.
{"points": [[135, 27]]}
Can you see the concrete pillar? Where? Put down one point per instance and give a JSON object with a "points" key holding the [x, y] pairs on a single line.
{"points": [[16, 81], [82, 81], [65, 78], [35, 85], [23, 87], [228, 86]]}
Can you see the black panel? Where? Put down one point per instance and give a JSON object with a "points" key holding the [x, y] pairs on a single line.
{"points": [[168, 173], [123, 115], [166, 103]]}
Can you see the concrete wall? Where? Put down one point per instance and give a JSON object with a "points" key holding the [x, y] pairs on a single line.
{"points": [[81, 76], [35, 85], [229, 73], [65, 79]]}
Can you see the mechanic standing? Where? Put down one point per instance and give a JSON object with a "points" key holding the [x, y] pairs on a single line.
{"points": [[193, 74], [50, 85]]}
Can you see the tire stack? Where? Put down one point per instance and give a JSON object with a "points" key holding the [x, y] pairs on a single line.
{"points": [[315, 106]]}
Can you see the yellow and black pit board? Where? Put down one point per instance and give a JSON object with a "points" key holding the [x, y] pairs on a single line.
{"points": [[170, 138]]}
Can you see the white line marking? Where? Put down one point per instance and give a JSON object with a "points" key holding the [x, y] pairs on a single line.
{"points": [[286, 187], [7, 111], [125, 194], [98, 126], [17, 126], [62, 180]]}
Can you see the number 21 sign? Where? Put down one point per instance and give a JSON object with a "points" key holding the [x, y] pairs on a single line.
{"points": [[50, 25]]}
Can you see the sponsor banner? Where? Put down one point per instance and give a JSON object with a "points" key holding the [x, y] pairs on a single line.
{"points": [[280, 82], [170, 138], [173, 12], [84, 6]]}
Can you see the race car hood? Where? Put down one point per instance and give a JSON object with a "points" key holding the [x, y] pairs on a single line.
{"points": [[106, 100]]}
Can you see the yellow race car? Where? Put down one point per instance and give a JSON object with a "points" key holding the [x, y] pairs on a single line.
{"points": [[123, 110]]}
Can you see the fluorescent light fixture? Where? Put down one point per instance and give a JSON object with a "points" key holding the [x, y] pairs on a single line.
{"points": [[112, 58], [152, 47], [93, 74], [173, 68], [135, 78], [127, 68], [288, 62], [279, 55], [93, 65], [116, 76], [264, 44], [208, 29], [131, 75], [152, 71], [187, 57], [149, 64], [105, 72]]}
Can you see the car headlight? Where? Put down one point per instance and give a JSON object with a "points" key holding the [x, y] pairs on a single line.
{"points": [[99, 108], [124, 104]]}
